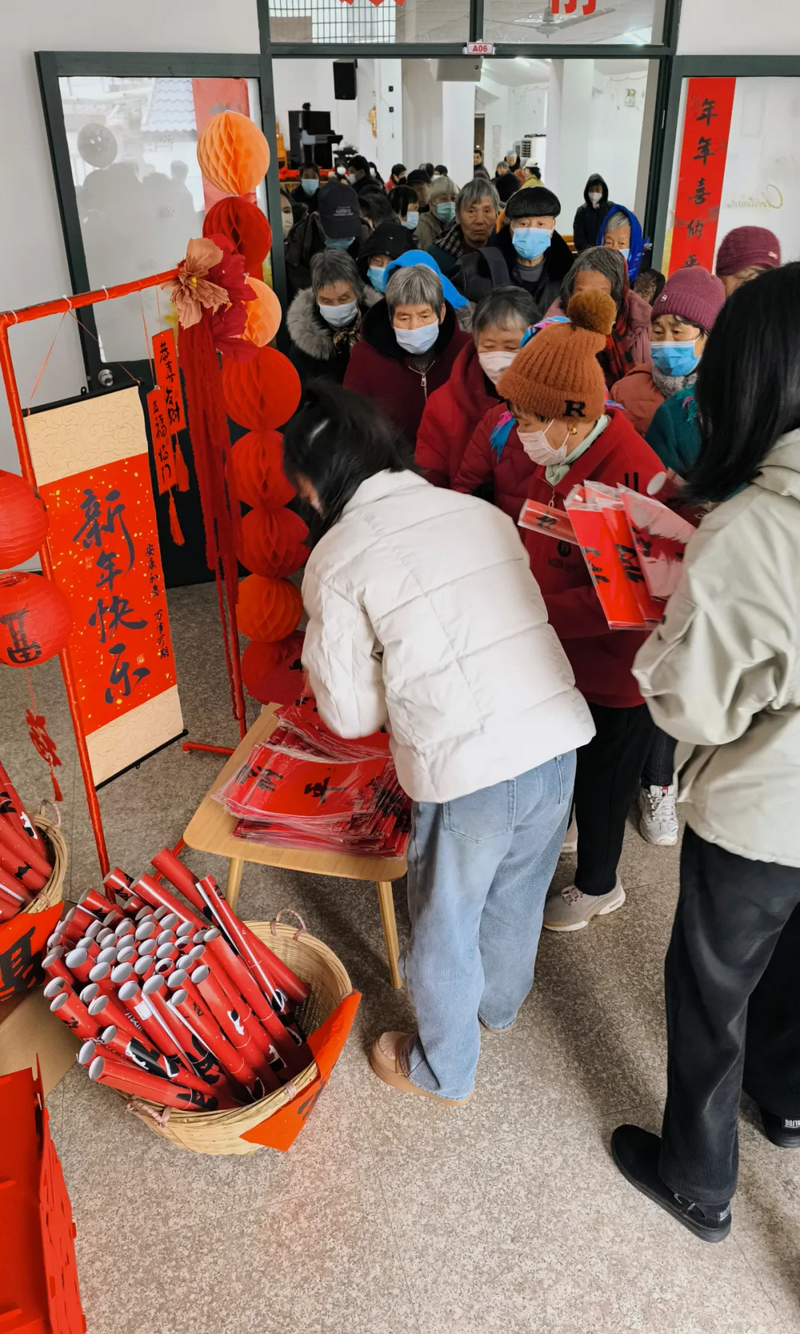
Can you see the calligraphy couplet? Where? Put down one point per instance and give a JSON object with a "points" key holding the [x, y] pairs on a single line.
{"points": [[704, 150], [165, 359], [93, 473], [162, 440]]}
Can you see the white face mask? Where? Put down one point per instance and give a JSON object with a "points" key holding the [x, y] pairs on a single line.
{"points": [[595, 196], [339, 316], [494, 363], [411, 220], [538, 449], [287, 222], [351, 176], [416, 341]]}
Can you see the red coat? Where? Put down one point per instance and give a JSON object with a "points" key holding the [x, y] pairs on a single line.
{"points": [[450, 417], [638, 395], [379, 368], [601, 658]]}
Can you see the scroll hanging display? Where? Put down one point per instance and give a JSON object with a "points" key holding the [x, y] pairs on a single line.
{"points": [[92, 471], [704, 150]]}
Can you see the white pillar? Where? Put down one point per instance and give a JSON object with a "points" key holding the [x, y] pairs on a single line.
{"points": [[389, 106], [569, 114], [458, 118]]}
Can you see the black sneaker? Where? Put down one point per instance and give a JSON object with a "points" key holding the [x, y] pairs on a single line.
{"points": [[782, 1130], [635, 1152]]}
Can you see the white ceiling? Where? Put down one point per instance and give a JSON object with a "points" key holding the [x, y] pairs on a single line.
{"points": [[511, 73]]}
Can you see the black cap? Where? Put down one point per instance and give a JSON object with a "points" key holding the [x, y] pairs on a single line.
{"points": [[534, 202], [418, 177], [338, 210], [358, 163], [390, 238]]}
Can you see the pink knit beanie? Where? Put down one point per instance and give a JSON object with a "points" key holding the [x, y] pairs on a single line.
{"points": [[694, 295], [748, 247]]}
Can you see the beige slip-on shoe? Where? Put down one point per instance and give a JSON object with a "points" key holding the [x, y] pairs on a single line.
{"points": [[387, 1058]]}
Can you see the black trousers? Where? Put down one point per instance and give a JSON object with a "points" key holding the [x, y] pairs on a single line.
{"points": [[732, 986], [659, 767], [606, 782]]}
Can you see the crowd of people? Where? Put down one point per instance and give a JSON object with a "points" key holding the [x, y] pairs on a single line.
{"points": [[460, 357]]}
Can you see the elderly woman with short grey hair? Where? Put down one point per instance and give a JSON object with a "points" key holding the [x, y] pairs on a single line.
{"points": [[324, 320], [628, 344], [409, 343], [477, 210]]}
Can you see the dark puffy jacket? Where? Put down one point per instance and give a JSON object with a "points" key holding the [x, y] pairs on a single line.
{"points": [[317, 348], [588, 219], [304, 240], [450, 417], [557, 263]]}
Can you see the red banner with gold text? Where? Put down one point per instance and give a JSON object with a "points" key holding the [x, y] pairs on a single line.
{"points": [[704, 149]]}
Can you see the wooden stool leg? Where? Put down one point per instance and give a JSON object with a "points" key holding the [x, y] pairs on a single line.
{"points": [[386, 901], [235, 868]]}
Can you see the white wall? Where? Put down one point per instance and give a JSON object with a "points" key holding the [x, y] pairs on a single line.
{"points": [[739, 27], [437, 120], [35, 267], [615, 134], [299, 81]]}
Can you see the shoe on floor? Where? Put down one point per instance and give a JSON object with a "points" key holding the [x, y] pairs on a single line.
{"points": [[782, 1130], [635, 1152], [570, 843], [501, 1031], [570, 910], [658, 823], [388, 1058]]}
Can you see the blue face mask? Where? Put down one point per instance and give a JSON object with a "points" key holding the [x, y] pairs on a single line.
{"points": [[339, 242], [530, 242], [674, 359], [410, 220], [415, 341], [446, 212], [378, 277], [310, 187], [626, 253]]}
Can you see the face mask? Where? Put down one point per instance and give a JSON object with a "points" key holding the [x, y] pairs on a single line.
{"points": [[538, 450], [287, 222], [310, 187], [339, 316], [595, 196], [626, 253], [530, 242], [410, 221], [418, 340], [494, 363], [338, 243], [446, 212], [378, 277], [351, 176], [674, 358]]}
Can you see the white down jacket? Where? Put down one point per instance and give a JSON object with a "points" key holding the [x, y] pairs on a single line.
{"points": [[423, 614]]}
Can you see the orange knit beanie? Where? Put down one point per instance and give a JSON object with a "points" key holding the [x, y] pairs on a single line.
{"points": [[557, 373]]}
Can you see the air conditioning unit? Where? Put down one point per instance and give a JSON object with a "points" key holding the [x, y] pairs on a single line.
{"points": [[459, 70]]}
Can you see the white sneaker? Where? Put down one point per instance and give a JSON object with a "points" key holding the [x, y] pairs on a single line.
{"points": [[658, 823], [570, 910], [570, 843]]}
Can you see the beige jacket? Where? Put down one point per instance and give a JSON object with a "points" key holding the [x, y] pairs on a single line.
{"points": [[722, 673]]}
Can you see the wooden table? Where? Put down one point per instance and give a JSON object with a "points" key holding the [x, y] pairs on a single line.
{"points": [[211, 830]]}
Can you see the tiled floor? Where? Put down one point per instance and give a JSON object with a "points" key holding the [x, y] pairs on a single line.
{"points": [[390, 1214]]}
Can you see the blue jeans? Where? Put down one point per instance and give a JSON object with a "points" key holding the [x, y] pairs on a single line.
{"points": [[478, 873]]}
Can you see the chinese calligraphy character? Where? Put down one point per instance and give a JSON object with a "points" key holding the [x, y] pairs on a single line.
{"points": [[106, 562], [630, 564], [707, 112], [704, 150], [691, 262], [320, 790], [18, 966], [23, 650], [269, 780], [91, 532], [595, 570], [117, 610], [700, 195], [120, 674], [695, 228]]}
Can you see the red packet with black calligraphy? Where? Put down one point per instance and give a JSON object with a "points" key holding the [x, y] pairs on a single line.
{"points": [[546, 519], [165, 359], [160, 436], [614, 590], [617, 524]]}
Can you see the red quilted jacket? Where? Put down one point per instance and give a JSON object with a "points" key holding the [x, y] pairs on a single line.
{"points": [[601, 658], [451, 415]]}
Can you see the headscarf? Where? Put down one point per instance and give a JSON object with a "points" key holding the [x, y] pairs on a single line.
{"points": [[637, 239], [411, 257]]}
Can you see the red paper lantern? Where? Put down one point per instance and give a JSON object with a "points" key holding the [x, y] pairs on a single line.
{"points": [[268, 609], [35, 619], [272, 673], [245, 224], [258, 474], [272, 542], [232, 153], [261, 393], [23, 521]]}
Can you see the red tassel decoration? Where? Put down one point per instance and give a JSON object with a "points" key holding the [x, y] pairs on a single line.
{"points": [[174, 526]]}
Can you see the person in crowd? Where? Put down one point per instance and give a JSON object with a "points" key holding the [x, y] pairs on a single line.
{"points": [[358, 174], [409, 342], [376, 176], [324, 320], [307, 191], [720, 675], [530, 173], [477, 207], [441, 213], [536, 256], [423, 618], [505, 182], [405, 203], [649, 284], [428, 168], [396, 176], [335, 226], [745, 253], [559, 432], [307, 140], [628, 344], [591, 214], [291, 212], [512, 160], [441, 170], [680, 322], [621, 230], [374, 207], [389, 241], [477, 162], [452, 412], [421, 182]]}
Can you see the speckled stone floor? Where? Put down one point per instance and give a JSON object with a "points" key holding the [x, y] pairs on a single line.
{"points": [[390, 1215]]}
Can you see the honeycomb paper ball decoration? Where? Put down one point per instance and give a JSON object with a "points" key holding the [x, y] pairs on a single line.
{"points": [[263, 314], [243, 223], [258, 474], [261, 393], [272, 542], [35, 619], [268, 609], [23, 521], [273, 673], [232, 153]]}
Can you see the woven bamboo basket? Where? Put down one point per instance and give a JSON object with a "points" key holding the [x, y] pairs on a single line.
{"points": [[220, 1132], [51, 892]]}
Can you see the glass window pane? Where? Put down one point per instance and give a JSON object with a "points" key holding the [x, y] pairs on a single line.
{"points": [[363, 21], [141, 197], [624, 22]]}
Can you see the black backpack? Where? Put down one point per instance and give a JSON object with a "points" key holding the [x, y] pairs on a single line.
{"points": [[481, 272]]}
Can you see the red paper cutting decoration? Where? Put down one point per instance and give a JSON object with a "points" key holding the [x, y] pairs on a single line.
{"points": [[273, 673], [262, 393], [45, 745], [23, 521], [272, 542], [263, 314], [232, 153], [35, 619], [257, 464], [268, 609], [246, 226]]}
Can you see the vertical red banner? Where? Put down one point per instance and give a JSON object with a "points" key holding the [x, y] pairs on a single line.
{"points": [[704, 150]]}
